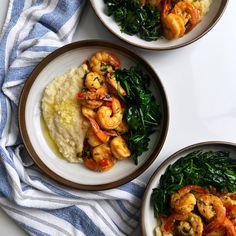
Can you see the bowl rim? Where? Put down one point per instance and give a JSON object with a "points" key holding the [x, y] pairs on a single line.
{"points": [[219, 14], [167, 161], [22, 105]]}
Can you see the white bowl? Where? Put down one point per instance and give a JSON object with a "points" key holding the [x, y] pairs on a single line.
{"points": [[208, 22], [148, 221], [76, 175]]}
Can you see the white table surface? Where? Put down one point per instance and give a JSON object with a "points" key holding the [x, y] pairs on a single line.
{"points": [[199, 80]]}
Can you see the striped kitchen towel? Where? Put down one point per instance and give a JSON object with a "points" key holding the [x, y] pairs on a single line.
{"points": [[33, 29]]}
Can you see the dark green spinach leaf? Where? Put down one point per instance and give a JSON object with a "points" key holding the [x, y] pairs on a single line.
{"points": [[133, 18], [142, 113]]}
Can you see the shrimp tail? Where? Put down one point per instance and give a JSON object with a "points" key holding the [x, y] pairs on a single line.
{"points": [[166, 7], [91, 164], [231, 230], [100, 134]]}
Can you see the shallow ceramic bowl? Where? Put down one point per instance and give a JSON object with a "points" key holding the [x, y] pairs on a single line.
{"points": [[208, 22], [148, 221], [76, 175]]}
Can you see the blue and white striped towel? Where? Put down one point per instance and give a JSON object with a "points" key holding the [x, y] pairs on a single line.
{"points": [[33, 29]]}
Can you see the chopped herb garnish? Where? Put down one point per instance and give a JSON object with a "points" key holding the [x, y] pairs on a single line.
{"points": [[96, 78]]}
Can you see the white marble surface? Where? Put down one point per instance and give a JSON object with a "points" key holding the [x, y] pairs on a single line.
{"points": [[200, 84]]}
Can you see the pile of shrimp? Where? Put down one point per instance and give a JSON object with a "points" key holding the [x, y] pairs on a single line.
{"points": [[104, 144], [178, 17], [197, 211]]}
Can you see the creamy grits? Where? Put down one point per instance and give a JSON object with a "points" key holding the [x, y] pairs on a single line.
{"points": [[62, 114]]}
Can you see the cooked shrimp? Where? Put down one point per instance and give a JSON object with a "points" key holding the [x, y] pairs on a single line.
{"points": [[211, 207], [103, 62], [101, 160], [119, 148], [110, 117], [181, 19], [183, 204], [93, 139], [184, 201], [94, 81], [98, 90], [188, 13], [111, 79], [189, 224], [173, 26], [91, 115], [96, 129]]}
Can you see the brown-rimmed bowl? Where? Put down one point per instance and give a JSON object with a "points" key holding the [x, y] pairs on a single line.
{"points": [[148, 221], [76, 175], [216, 10]]}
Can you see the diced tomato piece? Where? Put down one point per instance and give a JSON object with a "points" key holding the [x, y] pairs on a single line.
{"points": [[80, 95], [103, 162]]}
